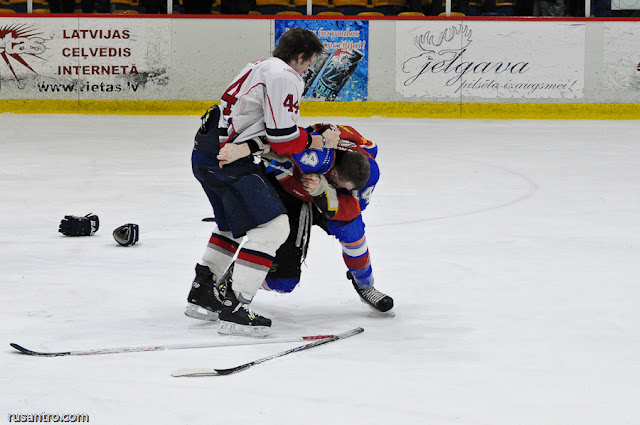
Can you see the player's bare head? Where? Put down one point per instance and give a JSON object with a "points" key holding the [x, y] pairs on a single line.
{"points": [[298, 41], [353, 167]]}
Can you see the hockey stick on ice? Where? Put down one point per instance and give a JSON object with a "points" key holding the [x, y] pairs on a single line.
{"points": [[197, 372], [137, 349]]}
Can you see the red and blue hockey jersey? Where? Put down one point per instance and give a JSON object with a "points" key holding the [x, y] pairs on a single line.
{"points": [[322, 161]]}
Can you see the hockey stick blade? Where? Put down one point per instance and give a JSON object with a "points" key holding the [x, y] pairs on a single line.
{"points": [[138, 349], [38, 353], [201, 372]]}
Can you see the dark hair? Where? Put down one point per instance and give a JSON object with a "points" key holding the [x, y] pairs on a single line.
{"points": [[353, 166], [296, 41]]}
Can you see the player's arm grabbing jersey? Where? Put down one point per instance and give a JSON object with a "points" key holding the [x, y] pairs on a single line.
{"points": [[336, 203], [341, 204], [264, 100]]}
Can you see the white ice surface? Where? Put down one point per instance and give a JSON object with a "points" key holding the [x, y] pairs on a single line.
{"points": [[511, 248]]}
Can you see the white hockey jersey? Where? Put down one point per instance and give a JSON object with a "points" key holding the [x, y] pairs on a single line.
{"points": [[264, 99]]}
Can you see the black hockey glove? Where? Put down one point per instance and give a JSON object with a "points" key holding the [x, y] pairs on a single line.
{"points": [[127, 234], [72, 225]]}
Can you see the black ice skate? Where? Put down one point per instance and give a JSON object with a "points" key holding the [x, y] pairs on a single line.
{"points": [[203, 302], [372, 297], [237, 319]]}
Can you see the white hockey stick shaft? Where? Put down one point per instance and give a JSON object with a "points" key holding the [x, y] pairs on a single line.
{"points": [[134, 349], [234, 258]]}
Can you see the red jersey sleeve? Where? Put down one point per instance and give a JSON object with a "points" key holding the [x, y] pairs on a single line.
{"points": [[288, 140]]}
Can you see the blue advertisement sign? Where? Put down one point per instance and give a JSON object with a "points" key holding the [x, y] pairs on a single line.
{"points": [[341, 74]]}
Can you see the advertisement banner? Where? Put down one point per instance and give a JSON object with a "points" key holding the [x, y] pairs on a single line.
{"points": [[625, 4], [621, 56], [68, 58], [341, 74], [517, 60]]}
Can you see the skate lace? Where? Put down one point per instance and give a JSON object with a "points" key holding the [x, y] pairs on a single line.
{"points": [[372, 295], [219, 292], [247, 310]]}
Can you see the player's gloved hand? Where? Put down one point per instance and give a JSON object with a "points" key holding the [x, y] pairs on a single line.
{"points": [[72, 225], [325, 196]]}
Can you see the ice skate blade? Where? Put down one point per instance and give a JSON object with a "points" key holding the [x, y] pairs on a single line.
{"points": [[230, 328], [388, 313], [200, 313]]}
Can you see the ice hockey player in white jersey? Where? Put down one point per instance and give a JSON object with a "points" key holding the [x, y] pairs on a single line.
{"points": [[258, 112]]}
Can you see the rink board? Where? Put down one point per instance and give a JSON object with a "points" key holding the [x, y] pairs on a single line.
{"points": [[441, 68]]}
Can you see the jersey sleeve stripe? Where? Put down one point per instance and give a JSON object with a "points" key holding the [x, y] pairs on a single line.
{"points": [[283, 135], [277, 132]]}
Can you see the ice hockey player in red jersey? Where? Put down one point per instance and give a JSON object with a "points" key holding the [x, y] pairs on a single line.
{"points": [[339, 183], [258, 112]]}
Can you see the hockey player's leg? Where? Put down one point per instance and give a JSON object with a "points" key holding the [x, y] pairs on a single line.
{"points": [[219, 251], [284, 285], [355, 253], [250, 269], [371, 296], [202, 301], [205, 298], [284, 274]]}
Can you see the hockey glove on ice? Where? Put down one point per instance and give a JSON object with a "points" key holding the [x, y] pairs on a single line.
{"points": [[126, 234], [72, 225]]}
